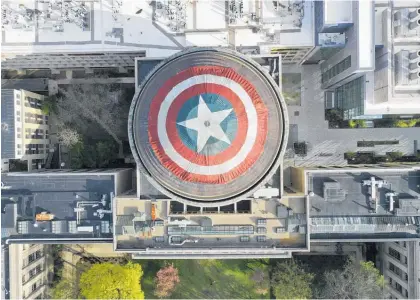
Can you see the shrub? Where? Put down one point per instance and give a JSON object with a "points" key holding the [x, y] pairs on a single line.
{"points": [[352, 124]]}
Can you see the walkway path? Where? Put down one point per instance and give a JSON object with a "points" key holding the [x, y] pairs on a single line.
{"points": [[327, 146]]}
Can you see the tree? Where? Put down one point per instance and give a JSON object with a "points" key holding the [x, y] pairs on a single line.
{"points": [[68, 136], [64, 289], [290, 281], [352, 124], [83, 104], [49, 105], [356, 281], [112, 281], [166, 280], [361, 123], [394, 156]]}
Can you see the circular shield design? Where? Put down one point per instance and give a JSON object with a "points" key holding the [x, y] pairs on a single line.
{"points": [[207, 125], [199, 125]]}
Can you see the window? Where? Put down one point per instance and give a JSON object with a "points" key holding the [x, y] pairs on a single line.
{"points": [[394, 253], [34, 286], [350, 98], [398, 287], [19, 152], [18, 129], [336, 69], [261, 238], [244, 238], [18, 146], [18, 135], [17, 96], [31, 258], [18, 113], [405, 244], [17, 102], [405, 259], [395, 269]]}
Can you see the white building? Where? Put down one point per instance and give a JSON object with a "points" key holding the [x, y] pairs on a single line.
{"points": [[25, 129], [93, 35], [400, 264], [28, 271], [369, 56]]}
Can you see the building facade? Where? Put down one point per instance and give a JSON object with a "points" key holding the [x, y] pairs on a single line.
{"points": [[400, 264], [369, 57], [28, 274], [25, 128]]}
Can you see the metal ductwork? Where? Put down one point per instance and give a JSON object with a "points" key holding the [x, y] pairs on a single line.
{"points": [[414, 55], [414, 24], [414, 66], [414, 14], [414, 76]]}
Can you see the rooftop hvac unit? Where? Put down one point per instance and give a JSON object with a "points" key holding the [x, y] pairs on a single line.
{"points": [[414, 14], [85, 229], [414, 66], [415, 76], [414, 24], [414, 55]]}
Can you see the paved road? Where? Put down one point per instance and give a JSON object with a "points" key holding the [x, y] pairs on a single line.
{"points": [[327, 146]]}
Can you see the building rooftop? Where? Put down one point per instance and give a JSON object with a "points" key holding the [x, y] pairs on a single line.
{"points": [[50, 204], [34, 26], [362, 203], [192, 144], [249, 224], [397, 73], [352, 197]]}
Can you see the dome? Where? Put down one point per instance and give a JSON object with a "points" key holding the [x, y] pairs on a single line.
{"points": [[208, 125]]}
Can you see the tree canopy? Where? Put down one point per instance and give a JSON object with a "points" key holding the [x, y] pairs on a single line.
{"points": [[166, 280], [112, 281], [356, 281], [290, 281]]}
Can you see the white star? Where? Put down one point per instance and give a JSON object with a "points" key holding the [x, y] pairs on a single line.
{"points": [[207, 124]]}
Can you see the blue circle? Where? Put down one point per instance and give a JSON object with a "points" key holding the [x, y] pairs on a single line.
{"points": [[215, 103]]}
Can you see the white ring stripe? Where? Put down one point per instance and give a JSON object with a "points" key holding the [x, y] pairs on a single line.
{"points": [[250, 136]]}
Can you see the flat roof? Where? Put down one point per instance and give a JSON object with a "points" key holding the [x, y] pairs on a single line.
{"points": [[117, 26], [365, 35], [356, 202], [58, 195], [217, 229], [336, 12]]}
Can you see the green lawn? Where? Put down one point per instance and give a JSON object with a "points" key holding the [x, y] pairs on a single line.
{"points": [[209, 279]]}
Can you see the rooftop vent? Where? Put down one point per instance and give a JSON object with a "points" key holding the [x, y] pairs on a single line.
{"points": [[414, 14], [414, 24], [414, 55], [415, 76], [414, 66], [333, 192]]}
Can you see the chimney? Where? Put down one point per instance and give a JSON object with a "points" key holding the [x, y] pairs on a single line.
{"points": [[414, 76], [414, 55], [414, 14], [414, 66], [414, 24]]}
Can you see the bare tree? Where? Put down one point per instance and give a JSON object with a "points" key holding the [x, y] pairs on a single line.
{"points": [[68, 136], [358, 280], [99, 103]]}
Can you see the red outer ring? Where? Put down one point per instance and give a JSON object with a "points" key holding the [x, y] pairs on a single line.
{"points": [[253, 155]]}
